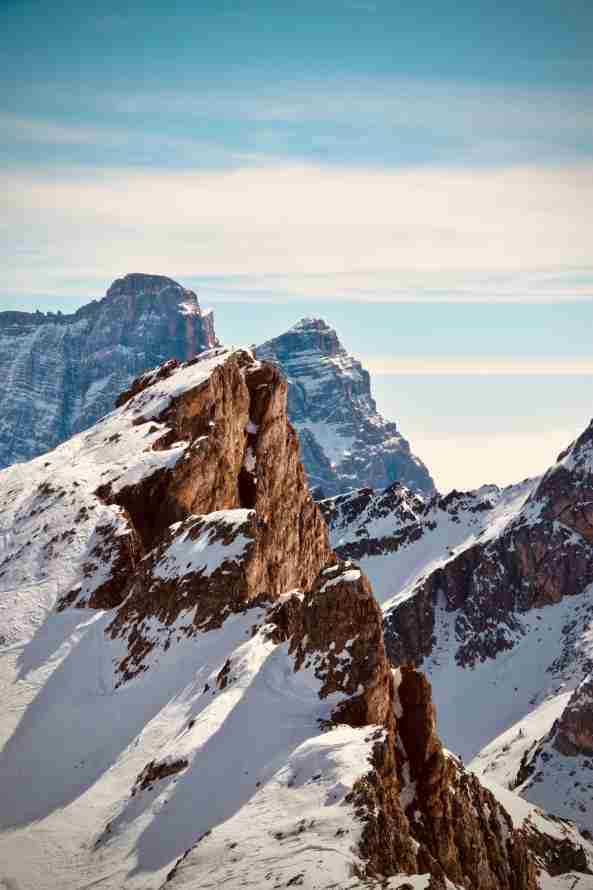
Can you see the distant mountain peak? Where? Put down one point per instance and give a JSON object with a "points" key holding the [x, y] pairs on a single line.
{"points": [[78, 364], [140, 282], [309, 323], [345, 443]]}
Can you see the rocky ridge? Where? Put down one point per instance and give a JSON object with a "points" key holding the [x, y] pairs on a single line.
{"points": [[62, 372], [208, 646], [345, 443], [491, 592]]}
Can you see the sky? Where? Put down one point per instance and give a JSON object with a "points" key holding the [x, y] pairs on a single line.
{"points": [[419, 174]]}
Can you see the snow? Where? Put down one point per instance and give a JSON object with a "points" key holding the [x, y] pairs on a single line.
{"points": [[189, 307], [205, 553], [334, 443], [394, 575], [524, 815], [348, 577], [331, 406], [254, 752], [477, 705], [264, 787], [154, 400], [50, 519]]}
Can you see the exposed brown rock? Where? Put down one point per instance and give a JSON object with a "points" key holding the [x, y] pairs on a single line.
{"points": [[545, 554], [242, 454], [212, 418], [421, 811], [458, 821], [336, 628], [120, 554], [557, 856], [574, 730], [156, 770]]}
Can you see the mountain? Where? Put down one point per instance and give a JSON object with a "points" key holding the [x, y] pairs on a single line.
{"points": [[492, 593], [195, 690], [62, 372], [345, 443]]}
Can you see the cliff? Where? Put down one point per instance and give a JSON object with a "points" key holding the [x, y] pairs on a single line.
{"points": [[345, 443], [62, 372]]}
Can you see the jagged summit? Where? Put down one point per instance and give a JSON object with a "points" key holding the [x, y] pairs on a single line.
{"points": [[142, 282], [62, 372], [196, 688], [311, 323], [345, 442], [139, 283]]}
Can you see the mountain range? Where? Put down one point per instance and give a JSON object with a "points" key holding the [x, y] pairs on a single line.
{"points": [[491, 592], [64, 372], [210, 679], [345, 443]]}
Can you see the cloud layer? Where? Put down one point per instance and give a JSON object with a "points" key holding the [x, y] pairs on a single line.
{"points": [[519, 233]]}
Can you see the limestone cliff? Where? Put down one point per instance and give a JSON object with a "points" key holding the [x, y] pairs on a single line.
{"points": [[62, 372], [345, 443]]}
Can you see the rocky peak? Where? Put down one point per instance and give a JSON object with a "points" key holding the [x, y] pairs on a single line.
{"points": [[574, 731], [315, 334], [77, 364], [345, 443], [541, 553], [140, 283], [216, 648], [160, 290]]}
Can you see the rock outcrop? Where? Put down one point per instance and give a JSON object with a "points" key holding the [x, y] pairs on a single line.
{"points": [[222, 673], [345, 443], [62, 372], [491, 592], [542, 554], [574, 731], [239, 487]]}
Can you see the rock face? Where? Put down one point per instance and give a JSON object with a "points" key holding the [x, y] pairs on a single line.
{"points": [[542, 554], [222, 675], [62, 372], [574, 731], [345, 443], [491, 592], [396, 534]]}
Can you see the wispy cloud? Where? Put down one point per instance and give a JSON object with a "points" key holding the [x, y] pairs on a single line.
{"points": [[396, 101], [377, 122], [293, 232], [158, 147]]}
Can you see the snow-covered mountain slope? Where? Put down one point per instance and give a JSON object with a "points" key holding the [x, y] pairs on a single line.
{"points": [[194, 688], [492, 592], [397, 535], [61, 373], [345, 443]]}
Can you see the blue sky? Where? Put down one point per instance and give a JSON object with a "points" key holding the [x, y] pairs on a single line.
{"points": [[419, 173]]}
